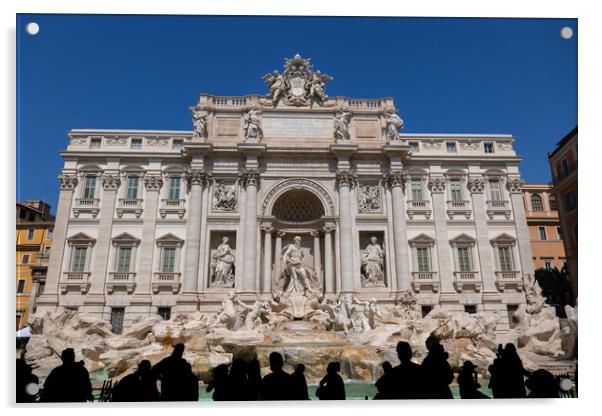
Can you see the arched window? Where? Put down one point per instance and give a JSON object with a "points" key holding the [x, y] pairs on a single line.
{"points": [[536, 202], [553, 203]]}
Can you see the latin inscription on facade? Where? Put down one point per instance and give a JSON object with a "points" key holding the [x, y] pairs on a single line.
{"points": [[298, 127]]}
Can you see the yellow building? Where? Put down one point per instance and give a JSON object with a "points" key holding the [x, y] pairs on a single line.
{"points": [[34, 239]]}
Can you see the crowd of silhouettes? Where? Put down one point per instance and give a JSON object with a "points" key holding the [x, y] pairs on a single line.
{"points": [[242, 381]]}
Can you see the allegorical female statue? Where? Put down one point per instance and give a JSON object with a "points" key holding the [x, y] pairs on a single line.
{"points": [[372, 263], [297, 276], [223, 265]]}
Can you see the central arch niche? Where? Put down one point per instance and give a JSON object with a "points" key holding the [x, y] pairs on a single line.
{"points": [[298, 206]]}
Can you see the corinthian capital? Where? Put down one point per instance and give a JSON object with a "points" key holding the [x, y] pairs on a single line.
{"points": [[514, 184], [476, 185], [249, 177], [394, 178], [153, 182], [110, 181], [197, 177], [68, 182], [437, 184], [346, 178]]}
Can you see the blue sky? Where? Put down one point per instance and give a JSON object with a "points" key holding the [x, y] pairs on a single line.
{"points": [[516, 76]]}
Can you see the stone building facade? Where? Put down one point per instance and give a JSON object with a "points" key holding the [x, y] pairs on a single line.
{"points": [[171, 221]]}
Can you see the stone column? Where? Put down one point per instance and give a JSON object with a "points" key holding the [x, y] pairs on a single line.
{"points": [[277, 253], [110, 185], [153, 184], [197, 179], [514, 186], [345, 180], [437, 187], [395, 180], [329, 286], [250, 180], [49, 299], [476, 186], [266, 284], [317, 254]]}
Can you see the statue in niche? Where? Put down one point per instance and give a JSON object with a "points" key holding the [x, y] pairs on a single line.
{"points": [[253, 130], [369, 199], [341, 125], [394, 124], [224, 196], [298, 278], [199, 123], [222, 264], [372, 261]]}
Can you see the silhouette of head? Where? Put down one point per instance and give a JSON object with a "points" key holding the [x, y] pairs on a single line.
{"points": [[276, 361], [404, 351], [220, 372], [542, 384], [68, 356], [333, 367], [178, 351], [509, 351], [238, 366], [300, 368], [144, 366], [387, 367], [468, 366], [432, 343]]}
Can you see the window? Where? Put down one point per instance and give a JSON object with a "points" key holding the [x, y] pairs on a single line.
{"points": [[168, 260], [536, 202], [164, 312], [450, 147], [464, 259], [25, 259], [548, 264], [32, 216], [30, 233], [542, 233], [21, 286], [132, 187], [49, 233], [46, 251], [553, 203], [423, 261], [488, 147], [571, 203], [511, 309], [78, 260], [89, 187], [95, 142], [414, 147], [174, 187], [124, 257], [136, 144], [505, 256], [416, 189], [178, 143], [426, 309], [565, 167], [495, 190], [471, 309], [559, 233], [455, 186], [117, 320], [22, 214]]}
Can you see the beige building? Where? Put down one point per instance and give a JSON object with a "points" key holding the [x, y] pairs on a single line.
{"points": [[156, 222], [545, 231]]}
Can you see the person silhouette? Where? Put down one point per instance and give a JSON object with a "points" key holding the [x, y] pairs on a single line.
{"points": [[24, 378], [69, 382], [178, 382], [467, 381], [299, 384], [507, 374], [437, 371], [236, 382], [385, 383], [542, 384], [407, 379], [253, 379], [218, 383], [277, 384], [140, 386], [332, 386]]}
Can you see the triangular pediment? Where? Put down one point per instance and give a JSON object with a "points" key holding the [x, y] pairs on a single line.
{"points": [[422, 239], [462, 238], [125, 238], [504, 238], [169, 238], [81, 238]]}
